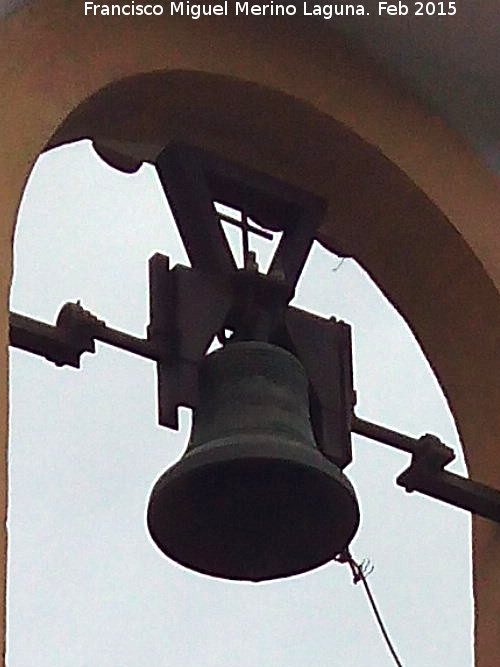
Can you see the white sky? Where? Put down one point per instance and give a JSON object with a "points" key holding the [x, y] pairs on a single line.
{"points": [[86, 585]]}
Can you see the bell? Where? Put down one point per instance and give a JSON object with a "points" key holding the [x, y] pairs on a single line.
{"points": [[253, 498]]}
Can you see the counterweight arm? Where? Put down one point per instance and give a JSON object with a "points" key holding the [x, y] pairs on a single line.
{"points": [[426, 473], [76, 331]]}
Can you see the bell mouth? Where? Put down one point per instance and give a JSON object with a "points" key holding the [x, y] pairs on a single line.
{"points": [[252, 518]]}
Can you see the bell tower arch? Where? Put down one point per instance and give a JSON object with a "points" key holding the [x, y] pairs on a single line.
{"points": [[406, 198]]}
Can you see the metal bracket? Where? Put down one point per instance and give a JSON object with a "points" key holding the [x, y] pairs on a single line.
{"points": [[194, 179], [426, 473], [189, 307]]}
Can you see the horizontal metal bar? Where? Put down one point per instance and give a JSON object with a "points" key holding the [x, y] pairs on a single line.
{"points": [[245, 227], [64, 346], [42, 339], [127, 342], [386, 436], [426, 472], [454, 489]]}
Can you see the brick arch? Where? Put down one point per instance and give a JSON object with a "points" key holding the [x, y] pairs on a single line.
{"points": [[407, 199]]}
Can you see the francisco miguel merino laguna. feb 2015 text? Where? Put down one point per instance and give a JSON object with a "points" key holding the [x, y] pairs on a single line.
{"points": [[196, 11]]}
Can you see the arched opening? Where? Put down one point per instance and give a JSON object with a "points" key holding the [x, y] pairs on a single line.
{"points": [[448, 295], [87, 443]]}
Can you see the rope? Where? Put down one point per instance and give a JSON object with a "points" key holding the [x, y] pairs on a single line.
{"points": [[360, 572]]}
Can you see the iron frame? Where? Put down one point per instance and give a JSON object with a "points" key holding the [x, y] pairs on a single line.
{"points": [[191, 306]]}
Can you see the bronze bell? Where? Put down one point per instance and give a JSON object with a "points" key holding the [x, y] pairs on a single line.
{"points": [[253, 498]]}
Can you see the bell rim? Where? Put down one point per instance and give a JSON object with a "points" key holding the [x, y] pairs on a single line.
{"points": [[310, 461]]}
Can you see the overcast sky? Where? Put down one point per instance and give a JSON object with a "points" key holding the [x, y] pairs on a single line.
{"points": [[86, 585]]}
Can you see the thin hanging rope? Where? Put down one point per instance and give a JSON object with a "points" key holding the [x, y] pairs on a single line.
{"points": [[359, 573]]}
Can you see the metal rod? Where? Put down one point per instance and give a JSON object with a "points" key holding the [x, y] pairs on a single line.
{"points": [[426, 472], [455, 490], [127, 342], [386, 436], [244, 225], [59, 345], [42, 339]]}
